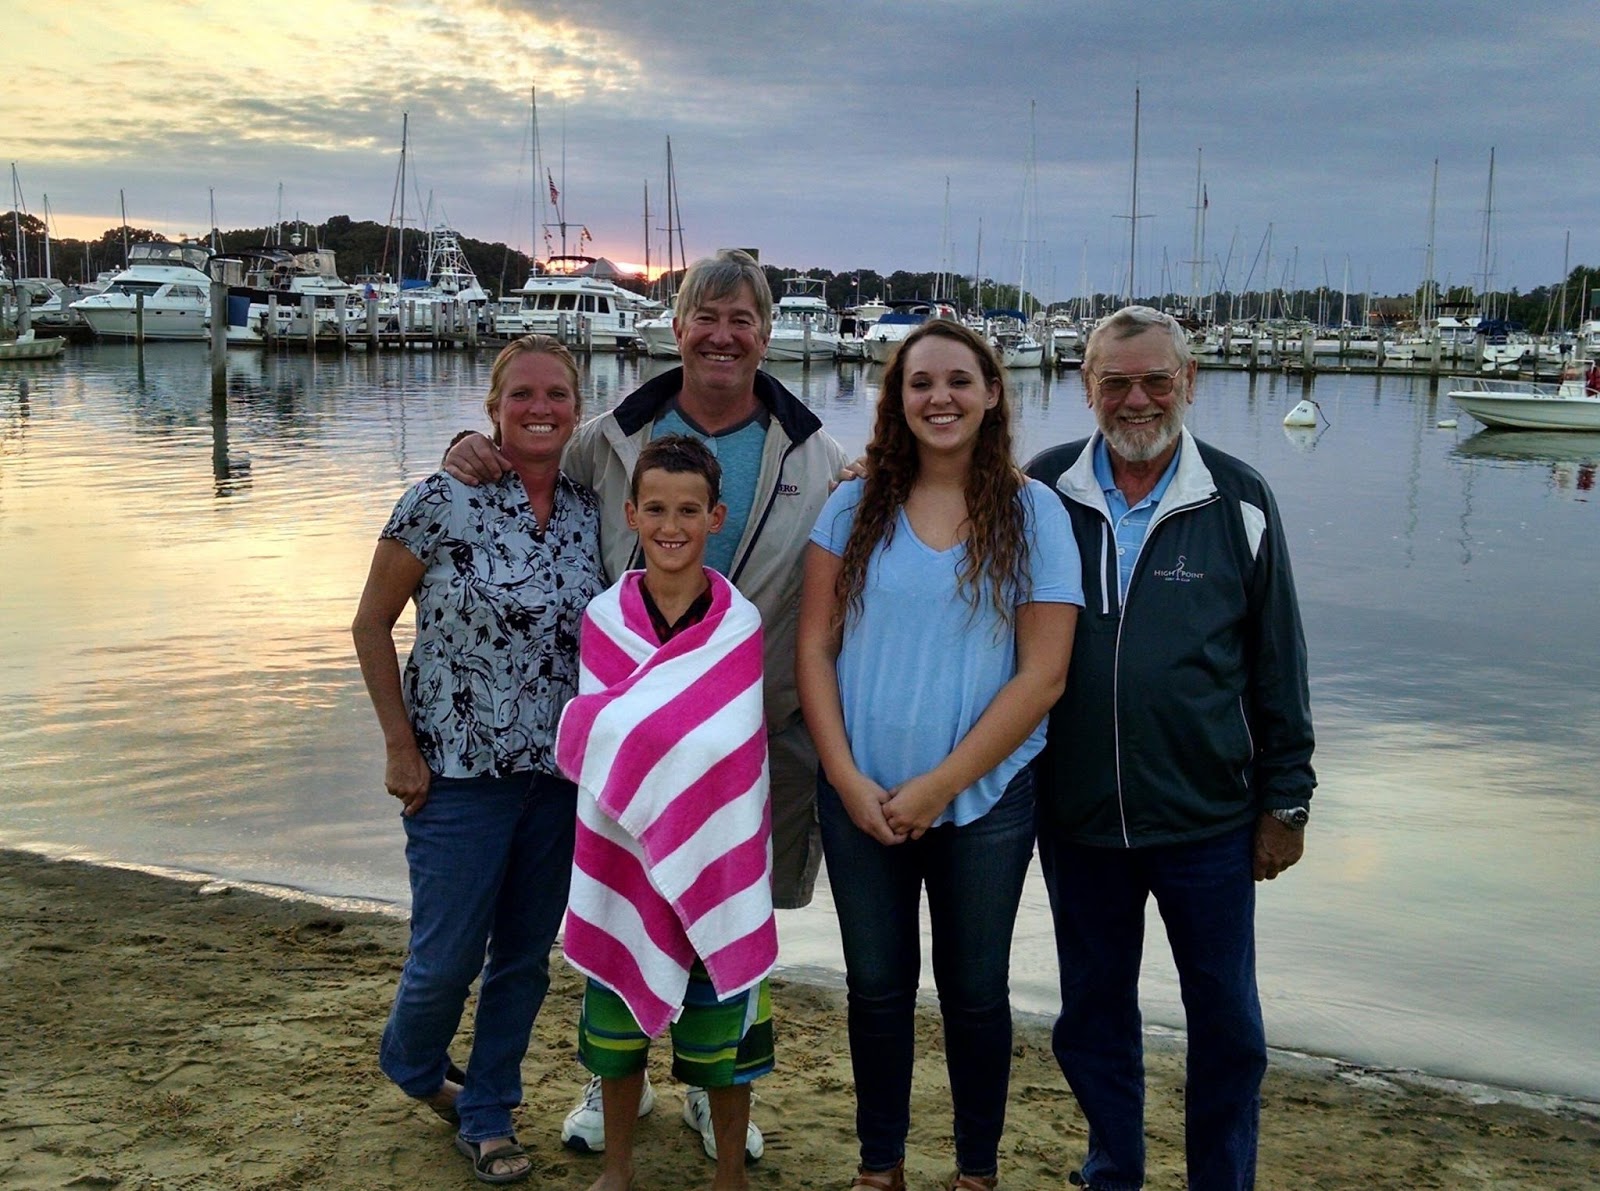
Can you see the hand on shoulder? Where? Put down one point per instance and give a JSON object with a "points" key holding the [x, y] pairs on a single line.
{"points": [[474, 459]]}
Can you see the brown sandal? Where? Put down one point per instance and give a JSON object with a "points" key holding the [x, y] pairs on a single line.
{"points": [[893, 1179], [972, 1182]]}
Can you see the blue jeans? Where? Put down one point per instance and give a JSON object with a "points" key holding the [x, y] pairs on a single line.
{"points": [[973, 875], [1207, 900], [490, 861]]}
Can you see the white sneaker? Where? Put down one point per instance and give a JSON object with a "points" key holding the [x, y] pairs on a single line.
{"points": [[584, 1129], [697, 1115]]}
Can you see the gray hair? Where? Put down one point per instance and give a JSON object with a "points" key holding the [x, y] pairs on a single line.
{"points": [[1131, 321], [713, 278]]}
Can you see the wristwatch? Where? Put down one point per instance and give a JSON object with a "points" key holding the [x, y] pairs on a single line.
{"points": [[1293, 817]]}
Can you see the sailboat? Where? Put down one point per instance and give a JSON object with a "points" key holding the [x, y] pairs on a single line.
{"points": [[1009, 331], [660, 341]]}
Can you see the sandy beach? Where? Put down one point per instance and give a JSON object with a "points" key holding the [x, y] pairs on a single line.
{"points": [[165, 1034]]}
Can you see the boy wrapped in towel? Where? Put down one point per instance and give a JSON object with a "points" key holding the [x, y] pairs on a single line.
{"points": [[670, 914]]}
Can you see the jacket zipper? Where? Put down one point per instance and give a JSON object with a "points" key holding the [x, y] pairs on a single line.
{"points": [[1116, 656]]}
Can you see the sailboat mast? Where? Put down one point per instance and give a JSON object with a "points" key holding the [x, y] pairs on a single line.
{"points": [[1197, 253], [16, 222], [647, 229], [1133, 213], [47, 271], [1430, 297], [538, 193], [400, 252], [122, 202], [674, 214], [1485, 307]]}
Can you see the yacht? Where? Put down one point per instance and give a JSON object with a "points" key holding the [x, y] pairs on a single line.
{"points": [[902, 318], [176, 288], [577, 302], [290, 275], [803, 328]]}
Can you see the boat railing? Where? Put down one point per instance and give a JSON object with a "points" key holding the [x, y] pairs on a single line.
{"points": [[1477, 384]]}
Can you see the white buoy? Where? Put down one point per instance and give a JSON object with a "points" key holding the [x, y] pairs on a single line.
{"points": [[1304, 414], [1446, 424]]}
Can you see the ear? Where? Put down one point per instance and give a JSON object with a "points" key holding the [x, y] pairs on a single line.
{"points": [[631, 511], [718, 516]]}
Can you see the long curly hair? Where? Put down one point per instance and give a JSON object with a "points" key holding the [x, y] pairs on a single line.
{"points": [[996, 546]]}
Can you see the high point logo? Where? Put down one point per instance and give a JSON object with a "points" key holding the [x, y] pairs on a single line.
{"points": [[788, 489], [1179, 573]]}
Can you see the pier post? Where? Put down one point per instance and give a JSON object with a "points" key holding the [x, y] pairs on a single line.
{"points": [[219, 338], [472, 327], [805, 344], [138, 319], [271, 331], [1308, 349], [372, 323], [1377, 353], [339, 317], [24, 312], [586, 321], [436, 317], [308, 311]]}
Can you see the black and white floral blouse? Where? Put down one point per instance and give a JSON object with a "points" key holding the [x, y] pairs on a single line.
{"points": [[498, 612]]}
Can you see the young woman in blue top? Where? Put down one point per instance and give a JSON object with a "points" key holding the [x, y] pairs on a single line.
{"points": [[941, 594]]}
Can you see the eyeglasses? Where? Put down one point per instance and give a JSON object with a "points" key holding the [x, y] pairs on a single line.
{"points": [[1117, 386]]}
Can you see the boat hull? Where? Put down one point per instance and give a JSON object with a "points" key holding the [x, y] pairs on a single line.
{"points": [[1532, 409], [31, 349], [118, 320]]}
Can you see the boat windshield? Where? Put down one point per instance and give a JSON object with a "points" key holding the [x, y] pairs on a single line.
{"points": [[159, 252]]}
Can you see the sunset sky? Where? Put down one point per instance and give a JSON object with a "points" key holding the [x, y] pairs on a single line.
{"points": [[826, 134]]}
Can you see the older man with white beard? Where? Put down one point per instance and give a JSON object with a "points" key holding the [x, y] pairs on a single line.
{"points": [[1178, 763]]}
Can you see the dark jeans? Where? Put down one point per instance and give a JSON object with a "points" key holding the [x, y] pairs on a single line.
{"points": [[1206, 896], [490, 861], [973, 875]]}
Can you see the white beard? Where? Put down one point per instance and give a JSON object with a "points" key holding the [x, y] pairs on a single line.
{"points": [[1147, 442]]}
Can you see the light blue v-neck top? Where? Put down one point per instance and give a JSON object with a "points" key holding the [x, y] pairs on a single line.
{"points": [[919, 665]]}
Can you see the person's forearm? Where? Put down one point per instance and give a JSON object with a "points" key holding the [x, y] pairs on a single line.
{"points": [[818, 681], [380, 670]]}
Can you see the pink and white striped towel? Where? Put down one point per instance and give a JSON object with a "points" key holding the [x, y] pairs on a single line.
{"points": [[668, 747]]}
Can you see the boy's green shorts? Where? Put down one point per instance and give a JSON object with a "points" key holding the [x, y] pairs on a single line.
{"points": [[715, 1044]]}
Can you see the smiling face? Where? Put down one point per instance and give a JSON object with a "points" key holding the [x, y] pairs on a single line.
{"points": [[945, 395], [722, 344], [1140, 427], [537, 409], [673, 516]]}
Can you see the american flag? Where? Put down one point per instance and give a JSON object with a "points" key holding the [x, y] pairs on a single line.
{"points": [[555, 195]]}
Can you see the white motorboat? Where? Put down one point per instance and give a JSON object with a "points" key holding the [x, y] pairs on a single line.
{"points": [[578, 304], [885, 335], [176, 289], [660, 340], [803, 328], [26, 347], [1013, 340], [451, 285], [1514, 405]]}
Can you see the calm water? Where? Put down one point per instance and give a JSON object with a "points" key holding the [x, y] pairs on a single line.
{"points": [[178, 686]]}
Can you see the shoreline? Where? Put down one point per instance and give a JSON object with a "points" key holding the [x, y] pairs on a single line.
{"points": [[1157, 1037], [192, 1034]]}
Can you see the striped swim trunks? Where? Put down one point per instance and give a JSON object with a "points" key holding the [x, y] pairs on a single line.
{"points": [[715, 1044]]}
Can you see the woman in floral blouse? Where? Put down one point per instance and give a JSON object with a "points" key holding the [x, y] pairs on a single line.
{"points": [[500, 575]]}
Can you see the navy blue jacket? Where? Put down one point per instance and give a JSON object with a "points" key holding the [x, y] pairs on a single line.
{"points": [[1186, 712]]}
